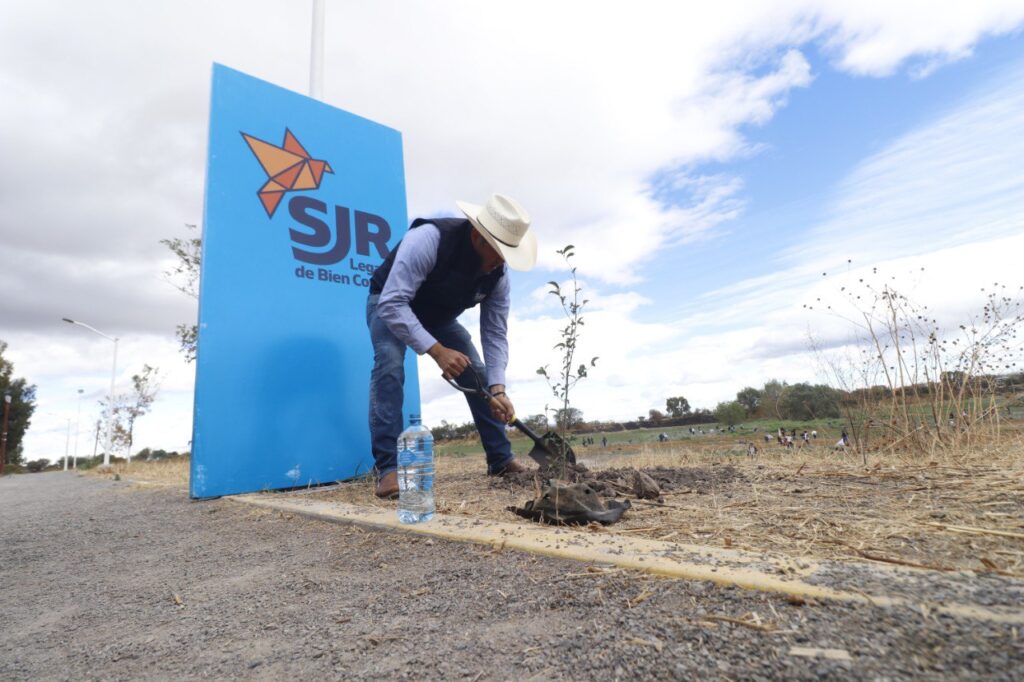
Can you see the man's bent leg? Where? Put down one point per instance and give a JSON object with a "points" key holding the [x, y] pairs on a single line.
{"points": [[387, 383], [492, 431]]}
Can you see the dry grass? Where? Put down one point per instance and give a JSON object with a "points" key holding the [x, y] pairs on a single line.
{"points": [[954, 511], [170, 472]]}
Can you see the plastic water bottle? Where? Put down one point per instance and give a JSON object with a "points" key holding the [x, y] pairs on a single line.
{"points": [[415, 473]]}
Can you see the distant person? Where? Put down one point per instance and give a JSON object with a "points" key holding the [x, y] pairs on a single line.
{"points": [[845, 438], [751, 450], [814, 434], [604, 441]]}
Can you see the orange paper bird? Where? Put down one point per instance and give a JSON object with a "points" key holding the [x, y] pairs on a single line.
{"points": [[289, 168]]}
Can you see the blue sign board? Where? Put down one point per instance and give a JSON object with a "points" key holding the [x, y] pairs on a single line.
{"points": [[303, 201]]}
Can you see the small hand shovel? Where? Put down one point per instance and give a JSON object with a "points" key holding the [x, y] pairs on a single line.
{"points": [[546, 448]]}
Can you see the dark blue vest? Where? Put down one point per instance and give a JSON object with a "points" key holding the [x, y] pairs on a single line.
{"points": [[455, 284]]}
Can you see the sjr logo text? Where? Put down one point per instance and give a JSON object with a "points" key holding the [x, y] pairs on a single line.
{"points": [[290, 168]]}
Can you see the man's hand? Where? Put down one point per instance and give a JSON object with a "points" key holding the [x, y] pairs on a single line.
{"points": [[501, 406], [451, 362]]}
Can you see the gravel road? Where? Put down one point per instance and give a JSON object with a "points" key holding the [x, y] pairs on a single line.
{"points": [[105, 580]]}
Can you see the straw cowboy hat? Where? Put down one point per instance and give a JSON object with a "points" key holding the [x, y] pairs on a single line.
{"points": [[506, 226]]}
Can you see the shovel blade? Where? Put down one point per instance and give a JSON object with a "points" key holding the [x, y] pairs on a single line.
{"points": [[541, 456], [545, 452]]}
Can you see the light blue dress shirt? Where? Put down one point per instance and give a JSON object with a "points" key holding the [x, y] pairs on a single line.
{"points": [[413, 263]]}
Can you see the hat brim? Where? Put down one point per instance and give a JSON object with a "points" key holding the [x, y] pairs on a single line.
{"points": [[521, 258]]}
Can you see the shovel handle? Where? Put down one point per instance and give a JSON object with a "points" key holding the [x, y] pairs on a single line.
{"points": [[479, 390], [516, 422], [486, 395]]}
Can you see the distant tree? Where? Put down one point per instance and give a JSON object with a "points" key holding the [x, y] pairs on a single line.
{"points": [[750, 399], [771, 397], [730, 413], [184, 276], [568, 418], [655, 415], [23, 404], [145, 386], [537, 422], [157, 455], [128, 407], [805, 402], [442, 432], [37, 465], [677, 407], [453, 431]]}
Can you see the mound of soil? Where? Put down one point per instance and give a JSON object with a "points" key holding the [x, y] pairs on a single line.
{"points": [[619, 482], [698, 479], [572, 473]]}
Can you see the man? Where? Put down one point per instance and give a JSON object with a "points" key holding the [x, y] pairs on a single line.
{"points": [[442, 267]]}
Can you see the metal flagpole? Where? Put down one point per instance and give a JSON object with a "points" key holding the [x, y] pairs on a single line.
{"points": [[316, 55]]}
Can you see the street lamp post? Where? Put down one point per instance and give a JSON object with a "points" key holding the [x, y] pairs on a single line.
{"points": [[110, 399], [3, 434], [78, 421], [67, 444]]}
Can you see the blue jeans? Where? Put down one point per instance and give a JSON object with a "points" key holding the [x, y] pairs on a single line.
{"points": [[387, 382]]}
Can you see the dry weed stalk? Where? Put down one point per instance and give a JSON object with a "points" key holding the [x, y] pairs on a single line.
{"points": [[924, 387]]}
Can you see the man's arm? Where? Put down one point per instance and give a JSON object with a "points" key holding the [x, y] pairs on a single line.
{"points": [[494, 332], [416, 257]]}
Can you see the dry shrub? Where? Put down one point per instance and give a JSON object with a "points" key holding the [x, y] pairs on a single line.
{"points": [[914, 385]]}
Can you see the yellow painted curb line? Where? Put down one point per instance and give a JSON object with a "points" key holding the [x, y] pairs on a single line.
{"points": [[642, 554]]}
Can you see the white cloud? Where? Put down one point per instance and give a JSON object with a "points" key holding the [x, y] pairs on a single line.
{"points": [[876, 37]]}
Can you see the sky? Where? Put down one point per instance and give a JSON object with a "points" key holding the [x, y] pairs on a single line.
{"points": [[709, 161]]}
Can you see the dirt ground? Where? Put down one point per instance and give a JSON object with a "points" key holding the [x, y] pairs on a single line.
{"points": [[103, 579], [943, 512]]}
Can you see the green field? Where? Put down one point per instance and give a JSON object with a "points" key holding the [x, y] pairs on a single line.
{"points": [[828, 432]]}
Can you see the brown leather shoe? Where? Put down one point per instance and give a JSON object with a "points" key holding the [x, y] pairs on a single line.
{"points": [[513, 467], [387, 486]]}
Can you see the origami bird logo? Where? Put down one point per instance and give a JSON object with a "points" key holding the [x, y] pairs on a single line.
{"points": [[289, 168]]}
